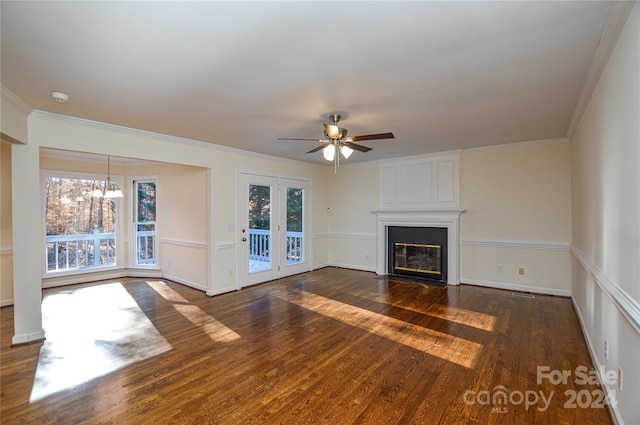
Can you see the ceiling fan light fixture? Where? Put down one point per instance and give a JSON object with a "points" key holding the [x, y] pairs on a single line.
{"points": [[335, 139], [329, 152], [346, 151], [332, 131]]}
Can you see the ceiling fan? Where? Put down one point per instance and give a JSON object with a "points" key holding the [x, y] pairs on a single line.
{"points": [[336, 139]]}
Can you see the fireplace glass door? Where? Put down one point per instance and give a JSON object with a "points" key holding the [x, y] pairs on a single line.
{"points": [[418, 258]]}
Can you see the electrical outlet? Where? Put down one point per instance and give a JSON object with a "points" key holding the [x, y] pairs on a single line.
{"points": [[521, 271], [499, 268], [606, 349]]}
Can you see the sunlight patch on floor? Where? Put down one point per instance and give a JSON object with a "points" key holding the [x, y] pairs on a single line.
{"points": [[91, 332], [439, 344], [483, 321], [213, 328]]}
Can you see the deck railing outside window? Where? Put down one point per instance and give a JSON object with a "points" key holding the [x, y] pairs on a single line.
{"points": [[73, 252], [259, 246], [146, 247]]}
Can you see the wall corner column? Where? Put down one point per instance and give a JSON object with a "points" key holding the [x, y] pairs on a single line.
{"points": [[27, 244]]}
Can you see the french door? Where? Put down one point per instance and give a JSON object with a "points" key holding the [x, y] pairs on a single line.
{"points": [[273, 228]]}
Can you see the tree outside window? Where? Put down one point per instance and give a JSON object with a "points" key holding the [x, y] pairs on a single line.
{"points": [[80, 229]]}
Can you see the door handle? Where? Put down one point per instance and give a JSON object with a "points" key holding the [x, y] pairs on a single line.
{"points": [[244, 239]]}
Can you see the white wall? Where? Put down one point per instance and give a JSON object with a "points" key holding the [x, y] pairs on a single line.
{"points": [[518, 199], [46, 130], [183, 219], [353, 194], [13, 116], [14, 129], [606, 218], [183, 199], [6, 242]]}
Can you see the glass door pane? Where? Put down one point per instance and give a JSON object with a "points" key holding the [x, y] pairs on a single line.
{"points": [[260, 240], [295, 230], [294, 224]]}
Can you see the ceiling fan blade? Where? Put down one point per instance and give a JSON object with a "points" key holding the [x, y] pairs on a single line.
{"points": [[372, 137], [357, 147], [297, 138], [318, 148]]}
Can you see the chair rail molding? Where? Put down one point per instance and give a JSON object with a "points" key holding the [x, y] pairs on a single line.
{"points": [[517, 244], [629, 307]]}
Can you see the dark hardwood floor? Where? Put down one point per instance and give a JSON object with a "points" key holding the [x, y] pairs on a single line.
{"points": [[332, 346]]}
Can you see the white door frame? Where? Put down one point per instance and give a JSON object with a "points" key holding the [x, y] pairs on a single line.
{"points": [[279, 267], [305, 265]]}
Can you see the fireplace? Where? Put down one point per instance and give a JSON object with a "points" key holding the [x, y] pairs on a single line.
{"points": [[418, 252], [444, 219], [421, 192]]}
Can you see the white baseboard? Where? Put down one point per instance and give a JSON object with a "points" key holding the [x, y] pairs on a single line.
{"points": [[320, 266], [27, 338], [514, 287], [353, 267], [155, 273], [184, 282], [613, 408], [83, 278], [211, 293]]}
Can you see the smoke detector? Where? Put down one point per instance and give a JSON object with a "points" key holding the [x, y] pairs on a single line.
{"points": [[59, 97]]}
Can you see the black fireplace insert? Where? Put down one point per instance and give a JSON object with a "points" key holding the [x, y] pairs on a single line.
{"points": [[417, 252]]}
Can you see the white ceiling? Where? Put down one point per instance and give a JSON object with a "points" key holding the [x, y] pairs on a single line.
{"points": [[439, 75]]}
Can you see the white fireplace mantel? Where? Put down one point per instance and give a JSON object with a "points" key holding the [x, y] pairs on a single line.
{"points": [[421, 191], [448, 218]]}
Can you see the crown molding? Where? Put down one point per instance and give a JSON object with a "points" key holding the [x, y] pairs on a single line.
{"points": [[526, 143], [6, 138], [418, 158], [15, 101], [620, 11]]}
